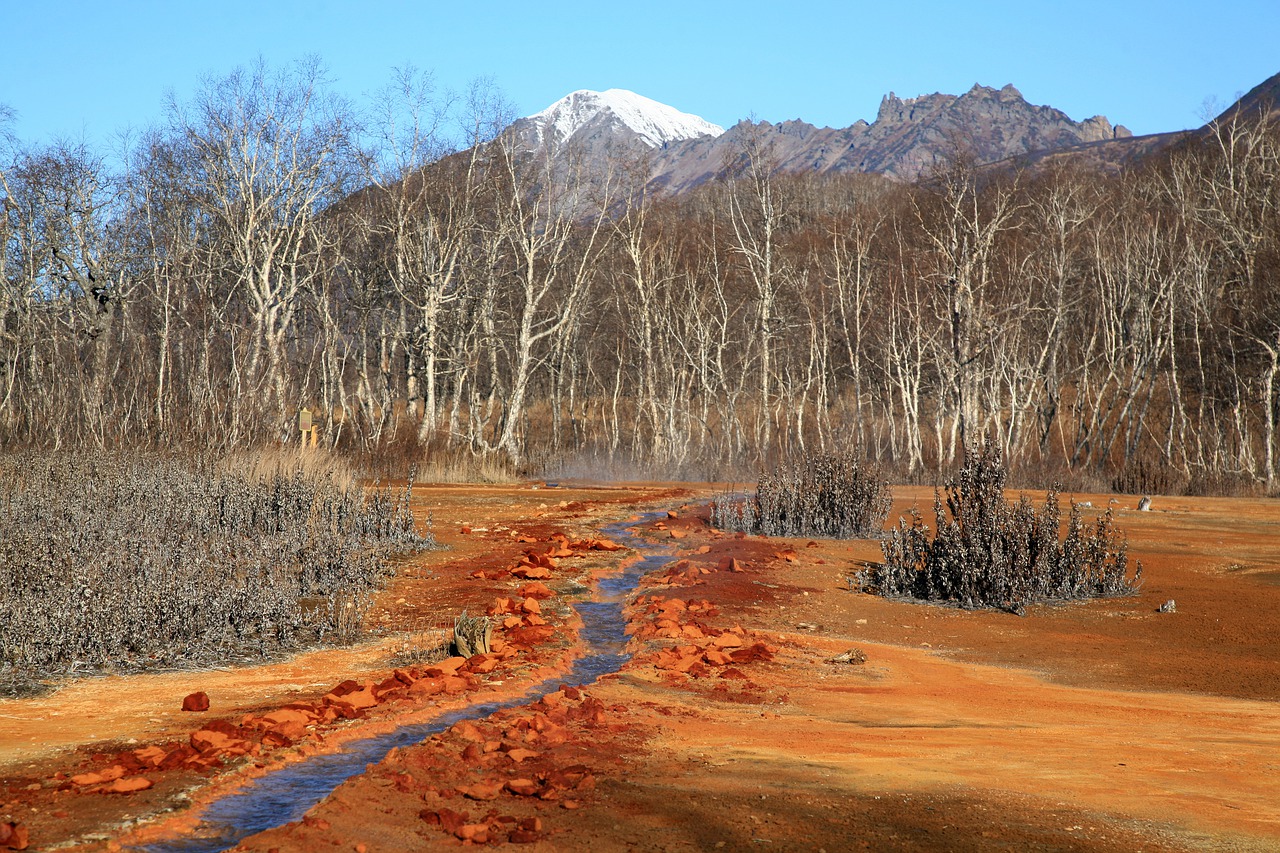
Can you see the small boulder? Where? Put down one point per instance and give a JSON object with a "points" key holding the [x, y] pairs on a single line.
{"points": [[481, 791], [523, 787], [14, 836], [128, 786], [537, 589], [198, 701]]}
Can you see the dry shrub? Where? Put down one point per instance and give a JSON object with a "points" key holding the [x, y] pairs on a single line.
{"points": [[134, 562], [840, 496], [988, 552]]}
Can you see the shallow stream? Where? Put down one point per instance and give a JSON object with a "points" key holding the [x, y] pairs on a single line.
{"points": [[285, 795]]}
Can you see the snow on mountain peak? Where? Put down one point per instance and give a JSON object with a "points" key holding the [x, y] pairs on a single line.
{"points": [[656, 124]]}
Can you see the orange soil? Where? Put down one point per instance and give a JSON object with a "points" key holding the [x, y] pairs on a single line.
{"points": [[1092, 726]]}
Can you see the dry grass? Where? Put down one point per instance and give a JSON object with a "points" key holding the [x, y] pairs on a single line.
{"points": [[268, 463]]}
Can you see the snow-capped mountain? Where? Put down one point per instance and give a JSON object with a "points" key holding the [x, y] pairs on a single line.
{"points": [[584, 117], [599, 136]]}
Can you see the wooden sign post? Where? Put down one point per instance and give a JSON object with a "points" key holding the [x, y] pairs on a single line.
{"points": [[306, 427]]}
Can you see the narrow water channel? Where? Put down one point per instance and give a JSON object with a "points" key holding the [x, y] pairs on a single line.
{"points": [[286, 794]]}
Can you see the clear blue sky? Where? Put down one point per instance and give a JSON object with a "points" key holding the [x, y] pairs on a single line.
{"points": [[74, 68]]}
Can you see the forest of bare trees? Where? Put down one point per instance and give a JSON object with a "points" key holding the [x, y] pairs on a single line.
{"points": [[429, 290]]}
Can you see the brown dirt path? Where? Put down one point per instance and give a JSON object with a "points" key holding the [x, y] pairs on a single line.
{"points": [[1097, 726]]}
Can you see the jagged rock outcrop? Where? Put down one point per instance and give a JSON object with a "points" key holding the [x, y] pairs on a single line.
{"points": [[909, 137]]}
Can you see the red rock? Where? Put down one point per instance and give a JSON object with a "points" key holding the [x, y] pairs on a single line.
{"points": [[572, 693], [538, 573], [14, 836], [523, 787], [196, 702], [512, 622], [207, 739], [671, 513], [464, 530], [477, 833], [592, 711], [84, 780], [573, 777], [150, 756], [727, 641], [454, 685], [481, 664], [481, 791], [405, 677], [537, 589], [523, 836], [447, 819], [715, 657], [128, 786], [703, 549], [289, 731], [288, 715], [520, 754], [530, 605], [469, 731], [387, 688], [448, 666], [605, 545], [345, 687], [178, 757], [426, 687], [757, 651], [472, 753], [730, 564], [532, 824], [531, 635]]}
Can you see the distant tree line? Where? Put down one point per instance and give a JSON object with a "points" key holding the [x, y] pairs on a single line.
{"points": [[268, 246]]}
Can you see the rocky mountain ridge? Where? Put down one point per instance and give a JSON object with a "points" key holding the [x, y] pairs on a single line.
{"points": [[908, 137]]}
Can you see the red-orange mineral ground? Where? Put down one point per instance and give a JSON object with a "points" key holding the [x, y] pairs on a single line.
{"points": [[768, 703]]}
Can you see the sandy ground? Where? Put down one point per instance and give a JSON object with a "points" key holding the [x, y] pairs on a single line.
{"points": [[1094, 726]]}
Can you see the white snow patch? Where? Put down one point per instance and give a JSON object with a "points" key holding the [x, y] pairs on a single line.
{"points": [[656, 124]]}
